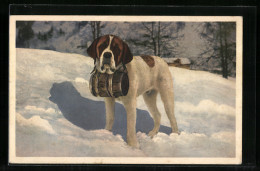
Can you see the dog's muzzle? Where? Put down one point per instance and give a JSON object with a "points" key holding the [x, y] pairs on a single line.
{"points": [[106, 63], [107, 55], [106, 66]]}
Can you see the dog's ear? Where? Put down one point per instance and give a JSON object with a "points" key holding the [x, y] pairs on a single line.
{"points": [[127, 55], [92, 49]]}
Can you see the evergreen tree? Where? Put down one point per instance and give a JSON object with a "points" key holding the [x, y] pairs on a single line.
{"points": [[49, 34], [25, 33]]}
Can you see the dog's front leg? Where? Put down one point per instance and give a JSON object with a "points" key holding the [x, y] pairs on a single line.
{"points": [[110, 112], [130, 106]]}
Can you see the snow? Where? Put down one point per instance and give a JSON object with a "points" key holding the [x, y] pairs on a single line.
{"points": [[175, 145], [35, 122], [57, 116], [38, 109]]}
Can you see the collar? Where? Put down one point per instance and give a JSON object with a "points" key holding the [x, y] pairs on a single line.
{"points": [[120, 68]]}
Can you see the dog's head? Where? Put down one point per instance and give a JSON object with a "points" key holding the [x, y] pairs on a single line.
{"points": [[109, 52]]}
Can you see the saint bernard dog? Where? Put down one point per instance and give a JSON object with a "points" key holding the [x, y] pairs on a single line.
{"points": [[148, 76]]}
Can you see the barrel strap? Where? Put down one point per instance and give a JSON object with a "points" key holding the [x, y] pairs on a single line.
{"points": [[122, 68], [94, 70], [109, 85]]}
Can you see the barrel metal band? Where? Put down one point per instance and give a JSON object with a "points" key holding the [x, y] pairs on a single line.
{"points": [[96, 83]]}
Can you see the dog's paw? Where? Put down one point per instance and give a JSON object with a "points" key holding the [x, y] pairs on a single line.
{"points": [[176, 132], [152, 133], [133, 143], [108, 127]]}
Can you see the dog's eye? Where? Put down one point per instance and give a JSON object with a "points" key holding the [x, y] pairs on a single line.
{"points": [[102, 46], [116, 49]]}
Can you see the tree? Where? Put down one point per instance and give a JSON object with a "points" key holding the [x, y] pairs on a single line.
{"points": [[220, 44], [25, 33], [81, 24], [47, 35], [160, 37]]}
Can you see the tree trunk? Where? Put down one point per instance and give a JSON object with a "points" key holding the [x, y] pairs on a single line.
{"points": [[226, 55], [153, 39], [98, 28], [221, 51], [158, 39], [93, 27], [27, 44]]}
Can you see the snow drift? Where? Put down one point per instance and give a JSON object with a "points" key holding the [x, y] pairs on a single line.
{"points": [[57, 116]]}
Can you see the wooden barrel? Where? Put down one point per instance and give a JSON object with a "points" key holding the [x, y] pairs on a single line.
{"points": [[109, 85]]}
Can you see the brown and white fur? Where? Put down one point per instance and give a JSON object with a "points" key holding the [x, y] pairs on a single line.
{"points": [[148, 76]]}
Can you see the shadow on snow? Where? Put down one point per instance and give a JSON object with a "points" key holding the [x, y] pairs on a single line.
{"points": [[90, 115]]}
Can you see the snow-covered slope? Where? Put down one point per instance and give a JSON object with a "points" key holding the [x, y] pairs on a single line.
{"points": [[57, 116]]}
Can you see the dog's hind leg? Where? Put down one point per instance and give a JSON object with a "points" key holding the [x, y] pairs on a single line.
{"points": [[150, 101], [110, 112], [167, 96]]}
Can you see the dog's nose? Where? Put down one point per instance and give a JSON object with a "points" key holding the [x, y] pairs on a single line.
{"points": [[107, 55]]}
